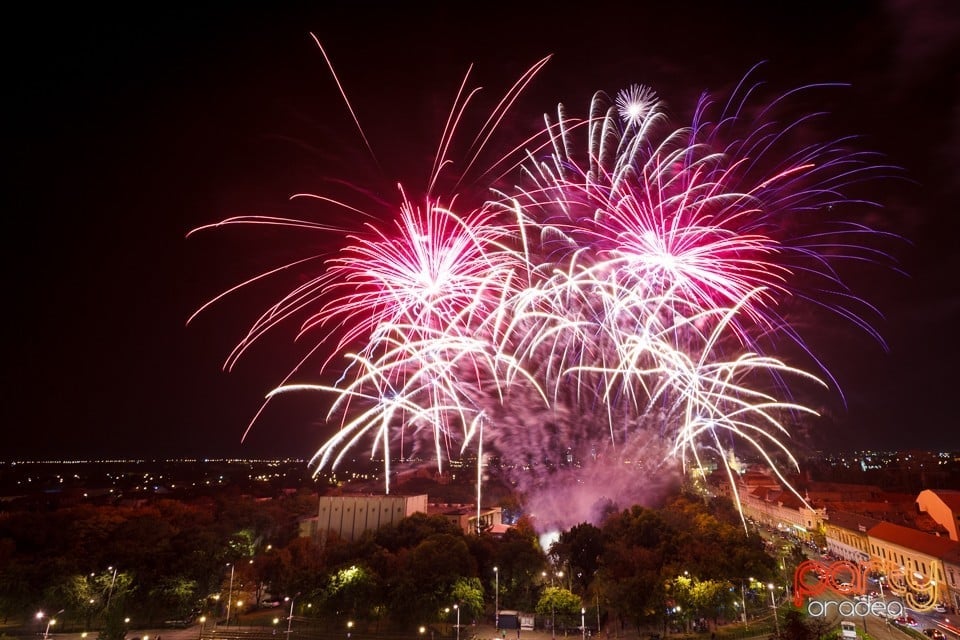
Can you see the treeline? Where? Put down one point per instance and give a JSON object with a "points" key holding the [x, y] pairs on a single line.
{"points": [[680, 564]]}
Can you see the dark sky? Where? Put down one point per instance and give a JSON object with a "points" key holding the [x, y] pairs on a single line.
{"points": [[130, 128]]}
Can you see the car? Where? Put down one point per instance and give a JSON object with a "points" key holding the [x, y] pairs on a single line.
{"points": [[848, 629], [178, 623], [906, 621], [936, 634], [940, 607]]}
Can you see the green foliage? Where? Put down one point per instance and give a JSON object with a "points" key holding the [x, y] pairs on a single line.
{"points": [[243, 544], [351, 591], [43, 555], [560, 605], [645, 550], [413, 530], [468, 594], [172, 555], [115, 626], [175, 594], [700, 598], [520, 561]]}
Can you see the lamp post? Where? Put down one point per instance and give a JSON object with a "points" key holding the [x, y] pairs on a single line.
{"points": [[203, 620], [743, 601], [496, 600], [598, 612], [773, 606], [553, 619], [230, 593], [583, 623], [113, 581], [290, 617], [52, 621], [457, 607]]}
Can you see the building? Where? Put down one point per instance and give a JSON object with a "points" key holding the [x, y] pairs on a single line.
{"points": [[918, 559], [846, 535], [466, 517], [944, 508], [350, 516], [766, 502]]}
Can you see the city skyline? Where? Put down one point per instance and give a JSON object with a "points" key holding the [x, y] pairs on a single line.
{"points": [[133, 136]]}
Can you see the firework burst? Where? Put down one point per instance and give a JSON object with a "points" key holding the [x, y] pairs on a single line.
{"points": [[615, 304]]}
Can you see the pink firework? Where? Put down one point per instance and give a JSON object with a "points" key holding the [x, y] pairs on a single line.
{"points": [[414, 305], [618, 302]]}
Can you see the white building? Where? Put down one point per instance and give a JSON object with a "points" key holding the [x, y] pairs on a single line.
{"points": [[350, 516]]}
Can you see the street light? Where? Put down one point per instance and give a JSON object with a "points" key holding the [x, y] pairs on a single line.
{"points": [[113, 581], [496, 600], [553, 618], [290, 617], [203, 620], [457, 607], [773, 605], [50, 622], [743, 601], [598, 612], [583, 623], [230, 593]]}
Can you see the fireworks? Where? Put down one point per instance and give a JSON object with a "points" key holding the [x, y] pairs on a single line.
{"points": [[616, 304]]}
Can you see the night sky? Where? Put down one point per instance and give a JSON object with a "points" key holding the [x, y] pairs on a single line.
{"points": [[131, 128]]}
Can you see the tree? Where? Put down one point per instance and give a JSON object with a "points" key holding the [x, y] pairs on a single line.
{"points": [[175, 595], [520, 560], [295, 568], [79, 595], [579, 550], [426, 576], [795, 627], [709, 598], [561, 606], [350, 591], [637, 564], [413, 530], [467, 593]]}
